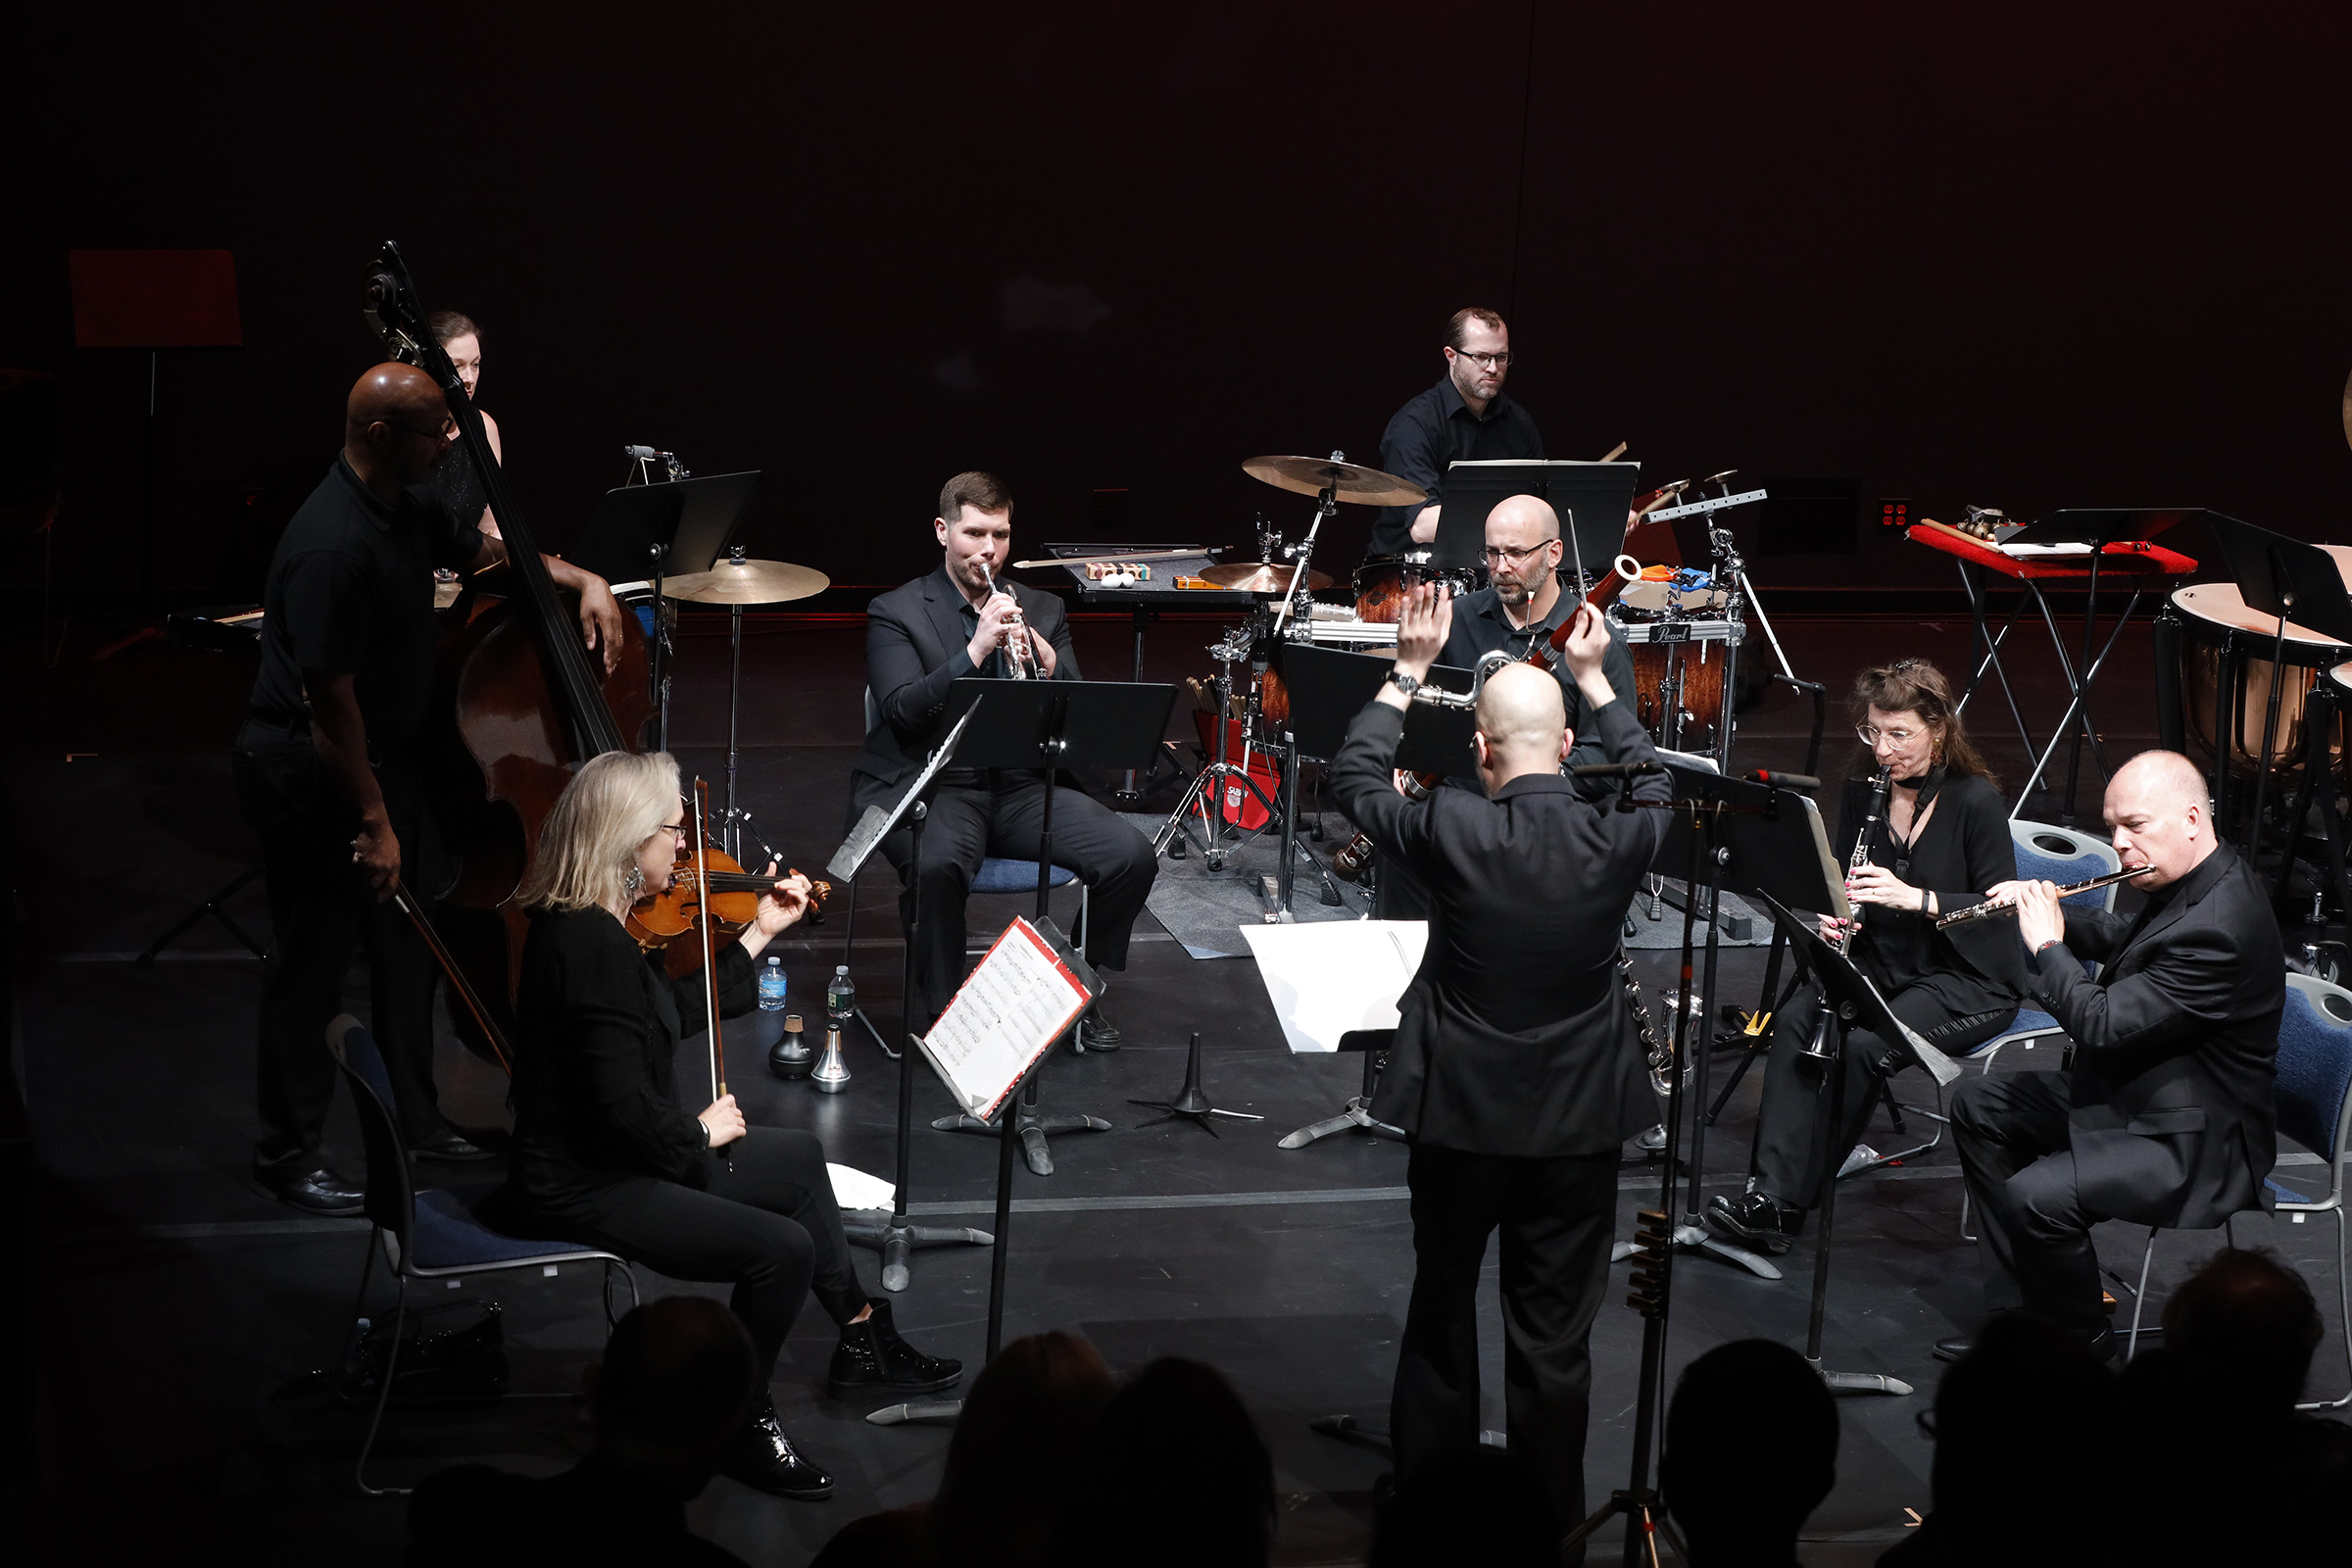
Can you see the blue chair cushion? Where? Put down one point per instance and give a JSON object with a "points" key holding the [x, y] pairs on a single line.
{"points": [[2027, 1021], [1016, 876], [2315, 1072], [448, 1236]]}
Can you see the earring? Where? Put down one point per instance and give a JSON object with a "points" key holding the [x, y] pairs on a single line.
{"points": [[634, 881]]}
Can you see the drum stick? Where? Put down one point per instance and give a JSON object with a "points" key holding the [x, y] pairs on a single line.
{"points": [[1614, 452]]}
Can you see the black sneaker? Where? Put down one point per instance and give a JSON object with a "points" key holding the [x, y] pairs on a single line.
{"points": [[1096, 1033], [763, 1457], [1755, 1220], [871, 1359]]}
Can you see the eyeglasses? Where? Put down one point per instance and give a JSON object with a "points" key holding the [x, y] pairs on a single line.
{"points": [[1492, 362], [1498, 553], [676, 830], [1870, 735]]}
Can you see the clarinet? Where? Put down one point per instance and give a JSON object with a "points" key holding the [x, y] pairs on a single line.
{"points": [[1879, 788], [1660, 1054]]}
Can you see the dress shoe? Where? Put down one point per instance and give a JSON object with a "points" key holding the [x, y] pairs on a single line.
{"points": [[319, 1191], [1095, 1032], [1954, 1347], [760, 1456], [1755, 1220], [871, 1359], [448, 1143], [2106, 1345]]}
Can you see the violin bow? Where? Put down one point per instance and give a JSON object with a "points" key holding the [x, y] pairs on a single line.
{"points": [[457, 977], [702, 888]]}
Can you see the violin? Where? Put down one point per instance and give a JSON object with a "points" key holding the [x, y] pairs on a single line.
{"points": [[659, 919]]}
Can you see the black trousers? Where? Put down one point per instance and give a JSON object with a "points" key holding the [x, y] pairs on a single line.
{"points": [[1558, 1217], [322, 914], [1792, 1154], [2016, 1152], [969, 822], [764, 1221]]}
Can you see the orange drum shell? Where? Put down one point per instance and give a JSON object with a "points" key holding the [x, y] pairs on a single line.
{"points": [[1702, 689], [1379, 585], [2207, 609]]}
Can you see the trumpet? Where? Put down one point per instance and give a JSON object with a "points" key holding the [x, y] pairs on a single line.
{"points": [[1993, 907], [1018, 653]]}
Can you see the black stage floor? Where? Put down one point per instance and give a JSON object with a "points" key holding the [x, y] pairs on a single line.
{"points": [[172, 1299]]}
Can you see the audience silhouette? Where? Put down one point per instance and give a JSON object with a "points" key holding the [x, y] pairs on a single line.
{"points": [[1029, 1415], [1175, 1477], [1474, 1506], [675, 1383], [1752, 1449]]}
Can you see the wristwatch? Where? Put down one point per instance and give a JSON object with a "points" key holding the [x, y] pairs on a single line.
{"points": [[1407, 684]]}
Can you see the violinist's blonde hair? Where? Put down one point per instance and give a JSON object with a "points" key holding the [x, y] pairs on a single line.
{"points": [[613, 804]]}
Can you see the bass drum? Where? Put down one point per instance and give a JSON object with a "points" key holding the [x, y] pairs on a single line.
{"points": [[2225, 682], [1697, 671]]}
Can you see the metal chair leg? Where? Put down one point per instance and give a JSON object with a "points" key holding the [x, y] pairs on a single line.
{"points": [[2343, 1288], [383, 1397], [2139, 1298]]}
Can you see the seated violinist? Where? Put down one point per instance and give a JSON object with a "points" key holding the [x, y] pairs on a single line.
{"points": [[603, 1153]]}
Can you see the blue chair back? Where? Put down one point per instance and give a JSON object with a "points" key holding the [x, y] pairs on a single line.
{"points": [[2315, 1066], [391, 1203], [2060, 855]]}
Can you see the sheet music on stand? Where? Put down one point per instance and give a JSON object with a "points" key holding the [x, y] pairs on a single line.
{"points": [[1028, 990]]}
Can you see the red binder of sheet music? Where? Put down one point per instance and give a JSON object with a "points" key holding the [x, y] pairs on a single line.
{"points": [[1007, 1014]]}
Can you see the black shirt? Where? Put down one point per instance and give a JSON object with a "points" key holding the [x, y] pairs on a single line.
{"points": [[458, 483], [1481, 625], [1438, 428], [1964, 850], [351, 592]]}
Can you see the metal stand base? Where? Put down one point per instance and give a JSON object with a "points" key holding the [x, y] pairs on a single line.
{"points": [[1356, 1113], [1032, 1129], [212, 909], [1644, 1522], [1190, 1101], [942, 1412], [893, 1241]]}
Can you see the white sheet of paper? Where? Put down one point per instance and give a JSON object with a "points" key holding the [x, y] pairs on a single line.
{"points": [[1014, 1007], [854, 1189], [1332, 976]]}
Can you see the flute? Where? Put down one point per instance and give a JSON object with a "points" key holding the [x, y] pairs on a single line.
{"points": [[1978, 911]]}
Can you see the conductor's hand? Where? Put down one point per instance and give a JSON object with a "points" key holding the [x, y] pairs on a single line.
{"points": [[782, 906], [998, 615], [725, 1118], [2039, 918], [1422, 628], [376, 853], [1588, 645]]}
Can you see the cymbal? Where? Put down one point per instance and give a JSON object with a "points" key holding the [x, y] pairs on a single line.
{"points": [[1259, 577], [747, 582], [1312, 476]]}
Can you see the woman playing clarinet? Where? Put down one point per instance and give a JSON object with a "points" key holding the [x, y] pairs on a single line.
{"points": [[605, 1155], [1942, 842]]}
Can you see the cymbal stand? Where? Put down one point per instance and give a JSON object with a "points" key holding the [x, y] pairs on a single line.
{"points": [[735, 822]]}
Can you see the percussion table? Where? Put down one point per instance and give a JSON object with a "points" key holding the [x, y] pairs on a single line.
{"points": [[2144, 564]]}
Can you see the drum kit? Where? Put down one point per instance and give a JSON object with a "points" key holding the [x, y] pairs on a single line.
{"points": [[1674, 617]]}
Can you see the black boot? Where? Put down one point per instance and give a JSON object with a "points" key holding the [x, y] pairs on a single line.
{"points": [[871, 1359], [763, 1457], [1755, 1219]]}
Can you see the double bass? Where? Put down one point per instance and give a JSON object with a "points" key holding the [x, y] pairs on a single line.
{"points": [[520, 700]]}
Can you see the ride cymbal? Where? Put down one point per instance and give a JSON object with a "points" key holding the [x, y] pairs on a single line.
{"points": [[747, 582], [1312, 476], [1259, 577]]}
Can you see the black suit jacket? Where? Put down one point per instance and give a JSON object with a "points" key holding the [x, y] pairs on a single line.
{"points": [[1514, 1038], [915, 649], [2176, 1045]]}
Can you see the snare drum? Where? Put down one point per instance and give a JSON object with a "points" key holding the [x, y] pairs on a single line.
{"points": [[2226, 676]]}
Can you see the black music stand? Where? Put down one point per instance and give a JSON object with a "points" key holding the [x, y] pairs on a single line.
{"points": [[1330, 686], [895, 1237], [2288, 580], [1764, 838], [1048, 725], [1591, 498], [1852, 1002]]}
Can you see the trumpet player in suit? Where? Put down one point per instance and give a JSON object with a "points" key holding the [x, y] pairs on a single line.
{"points": [[2166, 1116], [920, 639], [1940, 845]]}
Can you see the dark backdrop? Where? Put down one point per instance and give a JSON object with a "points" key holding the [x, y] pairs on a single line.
{"points": [[2027, 256]]}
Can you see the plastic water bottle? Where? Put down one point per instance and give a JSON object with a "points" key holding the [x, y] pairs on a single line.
{"points": [[841, 998], [771, 986]]}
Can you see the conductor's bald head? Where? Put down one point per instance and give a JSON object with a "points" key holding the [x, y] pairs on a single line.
{"points": [[1522, 725], [396, 428], [2161, 816]]}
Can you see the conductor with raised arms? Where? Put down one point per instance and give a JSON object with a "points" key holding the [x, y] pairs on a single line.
{"points": [[2166, 1116], [1516, 1076], [961, 622]]}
